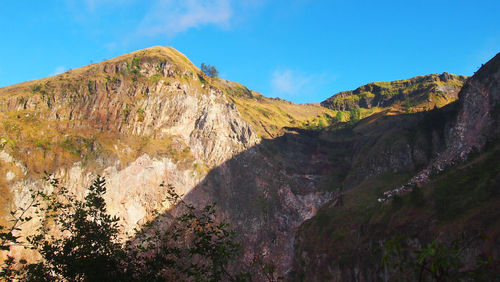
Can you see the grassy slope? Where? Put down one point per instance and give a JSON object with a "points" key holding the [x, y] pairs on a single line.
{"points": [[269, 116], [463, 198], [410, 95], [52, 143], [43, 143]]}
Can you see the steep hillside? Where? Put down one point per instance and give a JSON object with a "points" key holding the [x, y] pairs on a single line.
{"points": [[414, 94], [387, 141], [150, 117], [346, 241], [457, 191], [269, 116]]}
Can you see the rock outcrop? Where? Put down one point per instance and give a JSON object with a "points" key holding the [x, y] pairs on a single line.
{"points": [[151, 117], [424, 92], [475, 124], [478, 120], [455, 192]]}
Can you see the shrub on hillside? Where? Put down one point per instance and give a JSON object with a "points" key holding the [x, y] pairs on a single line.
{"points": [[78, 241], [209, 70]]}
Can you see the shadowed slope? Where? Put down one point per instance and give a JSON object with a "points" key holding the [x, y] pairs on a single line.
{"points": [[459, 192]]}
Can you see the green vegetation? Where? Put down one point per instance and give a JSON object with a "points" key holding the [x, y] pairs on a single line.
{"points": [[140, 115], [126, 111], [87, 248], [92, 86], [354, 115], [155, 78], [437, 261], [408, 105], [42, 144], [468, 187], [36, 88], [463, 198], [270, 116], [135, 63], [409, 95], [209, 70], [79, 146], [339, 117]]}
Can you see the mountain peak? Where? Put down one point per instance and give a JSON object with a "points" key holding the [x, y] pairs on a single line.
{"points": [[166, 52]]}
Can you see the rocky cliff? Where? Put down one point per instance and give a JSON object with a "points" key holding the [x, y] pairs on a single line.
{"points": [[298, 185], [139, 119], [420, 93], [456, 192], [150, 117], [477, 122]]}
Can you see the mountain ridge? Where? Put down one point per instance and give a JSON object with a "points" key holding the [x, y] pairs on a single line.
{"points": [[455, 193], [151, 116], [140, 119], [424, 92]]}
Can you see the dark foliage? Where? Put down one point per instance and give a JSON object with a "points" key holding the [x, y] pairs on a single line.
{"points": [[209, 70], [195, 247], [78, 241], [437, 261]]}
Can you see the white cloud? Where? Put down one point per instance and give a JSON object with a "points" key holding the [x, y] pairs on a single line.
{"points": [[165, 17], [290, 83], [287, 82], [59, 70], [91, 5], [170, 17]]}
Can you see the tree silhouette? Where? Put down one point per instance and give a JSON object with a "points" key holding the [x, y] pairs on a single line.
{"points": [[78, 241], [209, 70]]}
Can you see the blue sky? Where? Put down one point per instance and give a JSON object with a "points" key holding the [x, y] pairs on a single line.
{"points": [[300, 50]]}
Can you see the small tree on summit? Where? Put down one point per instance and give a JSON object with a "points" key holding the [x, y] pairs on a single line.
{"points": [[209, 70]]}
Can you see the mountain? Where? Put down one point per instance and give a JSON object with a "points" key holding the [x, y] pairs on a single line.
{"points": [[150, 117], [457, 192], [419, 93], [277, 170]]}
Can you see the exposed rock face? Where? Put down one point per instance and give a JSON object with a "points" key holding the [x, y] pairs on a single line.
{"points": [[152, 117], [425, 91], [475, 124], [436, 140], [201, 118], [397, 144], [477, 120], [266, 193], [201, 122]]}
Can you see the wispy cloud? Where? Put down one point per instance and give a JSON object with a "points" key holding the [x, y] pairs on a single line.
{"points": [[58, 70], [291, 83], [161, 18], [287, 82], [92, 5], [169, 17]]}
